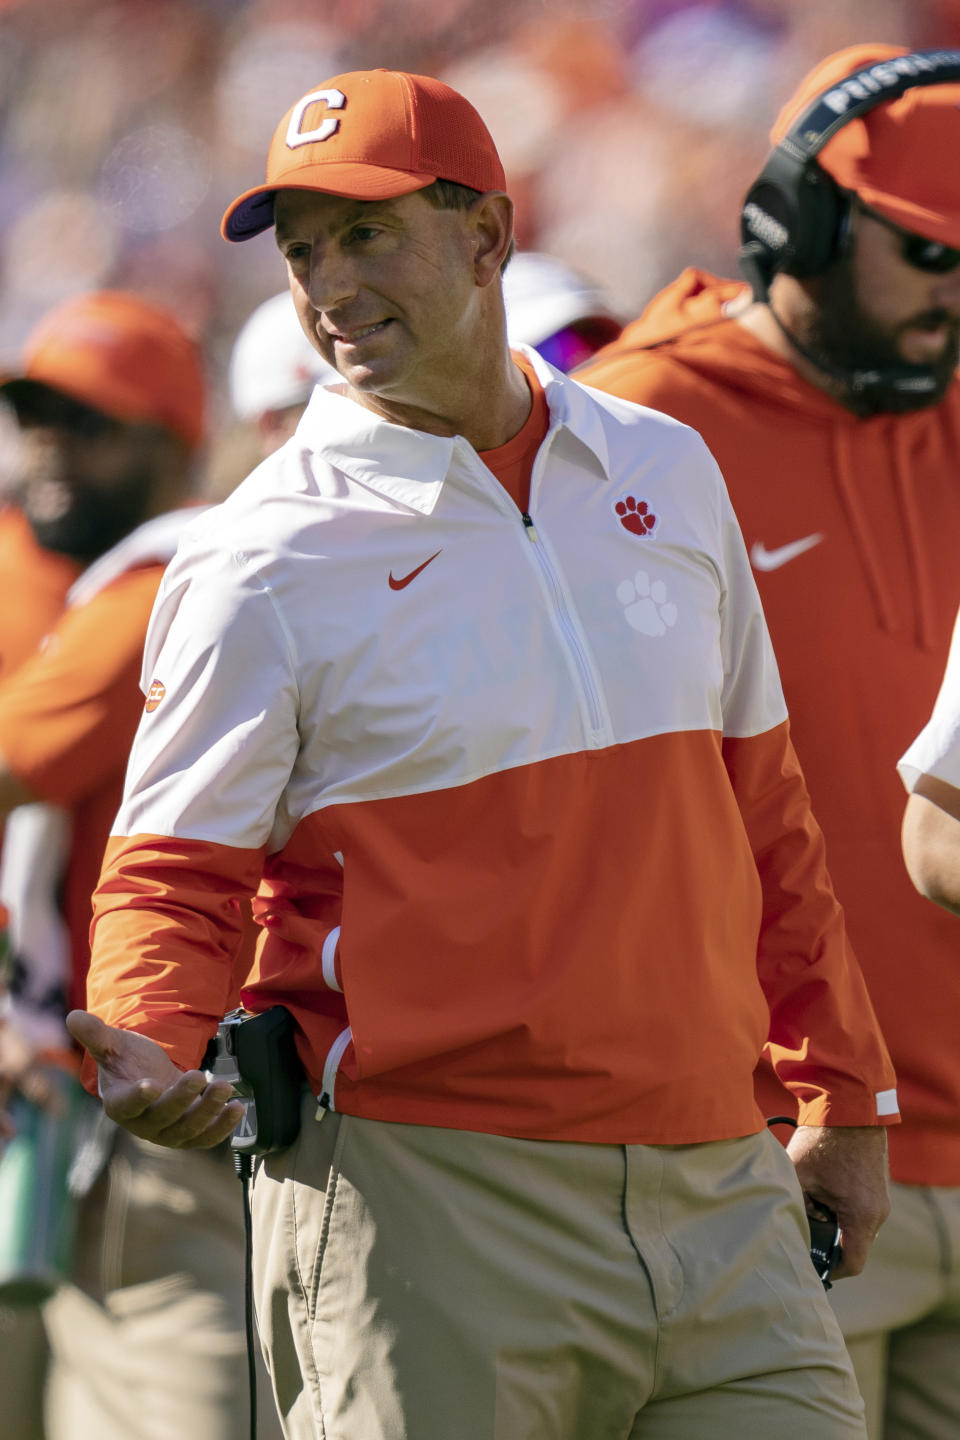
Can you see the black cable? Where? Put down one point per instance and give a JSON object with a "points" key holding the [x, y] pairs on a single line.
{"points": [[243, 1164], [904, 379]]}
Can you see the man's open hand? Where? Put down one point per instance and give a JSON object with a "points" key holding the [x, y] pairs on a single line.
{"points": [[845, 1167], [147, 1094]]}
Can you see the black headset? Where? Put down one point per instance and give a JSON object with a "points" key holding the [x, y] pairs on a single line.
{"points": [[794, 213]]}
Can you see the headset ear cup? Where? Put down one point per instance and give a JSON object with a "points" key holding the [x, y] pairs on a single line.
{"points": [[791, 221], [766, 226], [818, 217]]}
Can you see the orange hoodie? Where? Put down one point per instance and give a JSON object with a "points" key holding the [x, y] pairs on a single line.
{"points": [[33, 589], [853, 529]]}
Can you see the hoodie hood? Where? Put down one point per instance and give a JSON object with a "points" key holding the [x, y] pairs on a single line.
{"points": [[694, 310]]}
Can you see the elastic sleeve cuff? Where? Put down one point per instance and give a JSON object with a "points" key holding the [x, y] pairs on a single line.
{"points": [[878, 1109]]}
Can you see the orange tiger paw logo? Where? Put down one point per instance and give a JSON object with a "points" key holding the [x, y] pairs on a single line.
{"points": [[636, 516], [154, 695]]}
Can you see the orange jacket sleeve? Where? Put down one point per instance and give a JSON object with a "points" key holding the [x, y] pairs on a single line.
{"points": [[824, 1042], [163, 904], [69, 714]]}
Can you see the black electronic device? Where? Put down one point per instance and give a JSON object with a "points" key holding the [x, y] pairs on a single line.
{"points": [[825, 1251], [256, 1053]]}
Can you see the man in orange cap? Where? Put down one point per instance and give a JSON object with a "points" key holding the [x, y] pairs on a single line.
{"points": [[827, 390], [470, 677], [110, 404]]}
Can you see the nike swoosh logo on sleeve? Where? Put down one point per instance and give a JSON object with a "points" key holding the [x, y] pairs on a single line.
{"points": [[763, 559], [405, 580]]}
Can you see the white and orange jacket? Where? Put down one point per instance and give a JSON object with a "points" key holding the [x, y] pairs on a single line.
{"points": [[535, 856]]}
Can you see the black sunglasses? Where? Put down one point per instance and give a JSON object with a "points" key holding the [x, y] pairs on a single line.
{"points": [[923, 254]]}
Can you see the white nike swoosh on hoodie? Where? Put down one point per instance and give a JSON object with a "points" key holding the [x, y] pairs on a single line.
{"points": [[763, 559]]}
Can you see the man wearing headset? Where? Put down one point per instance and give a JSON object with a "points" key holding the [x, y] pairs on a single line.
{"points": [[829, 398]]}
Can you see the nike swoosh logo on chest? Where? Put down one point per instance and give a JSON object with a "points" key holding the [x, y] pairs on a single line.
{"points": [[763, 559], [405, 579]]}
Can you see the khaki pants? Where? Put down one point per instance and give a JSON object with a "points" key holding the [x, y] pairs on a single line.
{"points": [[415, 1283], [148, 1344], [901, 1319], [23, 1365]]}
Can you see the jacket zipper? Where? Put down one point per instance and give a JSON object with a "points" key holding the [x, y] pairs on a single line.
{"points": [[571, 636]]}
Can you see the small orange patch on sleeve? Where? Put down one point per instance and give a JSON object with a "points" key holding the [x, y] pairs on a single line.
{"points": [[155, 694]]}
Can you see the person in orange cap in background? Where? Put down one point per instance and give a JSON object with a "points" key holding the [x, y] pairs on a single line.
{"points": [[110, 401], [827, 390], [419, 687]]}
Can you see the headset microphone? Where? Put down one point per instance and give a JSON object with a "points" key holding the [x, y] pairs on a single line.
{"points": [[904, 379]]}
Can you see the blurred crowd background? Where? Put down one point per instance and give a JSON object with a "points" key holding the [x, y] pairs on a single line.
{"points": [[629, 129]]}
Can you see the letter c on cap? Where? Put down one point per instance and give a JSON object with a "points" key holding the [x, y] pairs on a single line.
{"points": [[335, 100]]}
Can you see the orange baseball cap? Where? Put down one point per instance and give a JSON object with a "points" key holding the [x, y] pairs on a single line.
{"points": [[896, 156], [121, 355], [370, 135]]}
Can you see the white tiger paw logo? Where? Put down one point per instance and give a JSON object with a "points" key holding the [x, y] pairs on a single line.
{"points": [[645, 605]]}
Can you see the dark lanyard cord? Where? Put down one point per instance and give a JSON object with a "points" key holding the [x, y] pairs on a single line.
{"points": [[243, 1164]]}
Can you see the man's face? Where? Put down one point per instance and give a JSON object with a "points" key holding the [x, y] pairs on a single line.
{"points": [[878, 311], [385, 290], [85, 480]]}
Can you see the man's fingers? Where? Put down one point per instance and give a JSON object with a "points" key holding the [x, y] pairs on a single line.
{"points": [[855, 1248], [200, 1127], [191, 1095], [159, 1106], [90, 1032], [131, 1102], [856, 1237], [186, 1136], [191, 1112]]}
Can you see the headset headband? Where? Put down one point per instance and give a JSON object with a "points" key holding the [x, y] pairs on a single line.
{"points": [[875, 84]]}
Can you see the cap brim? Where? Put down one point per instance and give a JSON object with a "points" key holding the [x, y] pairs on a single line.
{"points": [[18, 391], [931, 224], [252, 212], [25, 395]]}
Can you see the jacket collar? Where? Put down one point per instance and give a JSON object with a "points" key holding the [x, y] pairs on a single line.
{"points": [[410, 466]]}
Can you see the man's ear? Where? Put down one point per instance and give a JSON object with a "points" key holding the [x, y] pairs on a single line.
{"points": [[491, 217]]}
